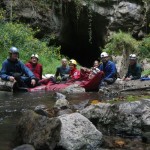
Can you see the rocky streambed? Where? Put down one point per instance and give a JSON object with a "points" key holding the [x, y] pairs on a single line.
{"points": [[95, 125]]}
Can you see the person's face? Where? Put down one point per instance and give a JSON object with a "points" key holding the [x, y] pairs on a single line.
{"points": [[34, 60], [14, 56], [72, 66], [105, 59], [64, 62], [96, 64], [132, 61]]}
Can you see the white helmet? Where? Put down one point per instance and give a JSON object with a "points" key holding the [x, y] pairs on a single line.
{"points": [[104, 54], [35, 55], [132, 57]]}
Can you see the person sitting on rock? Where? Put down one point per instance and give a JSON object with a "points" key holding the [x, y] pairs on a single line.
{"points": [[109, 69], [134, 69], [14, 70], [63, 70], [74, 72], [35, 67]]}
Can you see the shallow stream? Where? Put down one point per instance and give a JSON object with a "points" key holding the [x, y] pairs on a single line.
{"points": [[11, 105]]}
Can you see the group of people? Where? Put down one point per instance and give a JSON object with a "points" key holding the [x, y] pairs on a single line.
{"points": [[30, 74]]}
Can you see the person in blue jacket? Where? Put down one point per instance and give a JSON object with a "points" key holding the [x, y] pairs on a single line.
{"points": [[109, 69], [14, 70]]}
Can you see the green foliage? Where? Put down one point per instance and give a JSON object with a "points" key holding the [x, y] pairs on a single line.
{"points": [[22, 37], [144, 47], [2, 14], [121, 41], [146, 72], [129, 98]]}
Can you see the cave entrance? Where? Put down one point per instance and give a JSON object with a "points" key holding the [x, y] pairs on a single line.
{"points": [[82, 38]]}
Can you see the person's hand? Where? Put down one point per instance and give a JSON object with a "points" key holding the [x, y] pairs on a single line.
{"points": [[127, 79], [11, 78], [33, 82]]}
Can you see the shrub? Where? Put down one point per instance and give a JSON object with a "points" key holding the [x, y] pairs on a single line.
{"points": [[22, 37], [121, 41], [144, 48]]}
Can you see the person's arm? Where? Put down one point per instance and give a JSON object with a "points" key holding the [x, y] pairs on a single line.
{"points": [[138, 73], [101, 67], [3, 73], [57, 72], [27, 71], [112, 68], [128, 73], [41, 72]]}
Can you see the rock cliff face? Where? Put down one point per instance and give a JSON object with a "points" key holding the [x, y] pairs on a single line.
{"points": [[81, 26]]}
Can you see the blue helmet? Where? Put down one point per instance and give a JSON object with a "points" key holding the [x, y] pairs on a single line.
{"points": [[13, 50]]}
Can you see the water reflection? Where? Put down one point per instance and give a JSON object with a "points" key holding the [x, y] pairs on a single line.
{"points": [[11, 105]]}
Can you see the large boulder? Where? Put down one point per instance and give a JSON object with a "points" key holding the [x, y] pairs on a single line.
{"points": [[130, 118], [40, 131], [78, 133], [24, 147]]}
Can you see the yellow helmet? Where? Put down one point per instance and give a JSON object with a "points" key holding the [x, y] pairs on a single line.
{"points": [[72, 61]]}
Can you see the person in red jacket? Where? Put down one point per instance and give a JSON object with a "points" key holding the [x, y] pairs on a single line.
{"points": [[35, 67], [74, 72]]}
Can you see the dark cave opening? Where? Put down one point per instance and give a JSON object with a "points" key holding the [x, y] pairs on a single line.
{"points": [[85, 54], [83, 38]]}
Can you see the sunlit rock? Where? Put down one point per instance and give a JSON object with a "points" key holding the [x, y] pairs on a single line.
{"points": [[77, 132]]}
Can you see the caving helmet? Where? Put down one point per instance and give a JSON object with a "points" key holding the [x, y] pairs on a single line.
{"points": [[72, 61], [132, 57], [35, 55], [14, 50], [104, 54]]}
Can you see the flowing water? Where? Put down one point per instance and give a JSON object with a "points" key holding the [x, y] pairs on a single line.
{"points": [[11, 105]]}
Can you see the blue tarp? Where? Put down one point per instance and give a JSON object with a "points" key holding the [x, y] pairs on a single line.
{"points": [[144, 79]]}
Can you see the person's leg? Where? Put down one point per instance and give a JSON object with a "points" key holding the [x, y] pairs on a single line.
{"points": [[110, 80], [27, 81], [20, 82]]}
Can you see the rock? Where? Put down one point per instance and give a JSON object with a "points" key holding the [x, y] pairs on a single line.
{"points": [[75, 88], [7, 85], [44, 111], [24, 147], [123, 86], [61, 104], [64, 111], [78, 133], [146, 137], [41, 110], [129, 118], [59, 96], [40, 131], [81, 105]]}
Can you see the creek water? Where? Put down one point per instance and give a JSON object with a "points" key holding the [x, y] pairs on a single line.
{"points": [[12, 104]]}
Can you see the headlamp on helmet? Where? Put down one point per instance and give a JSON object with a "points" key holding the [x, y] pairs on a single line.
{"points": [[35, 55]]}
